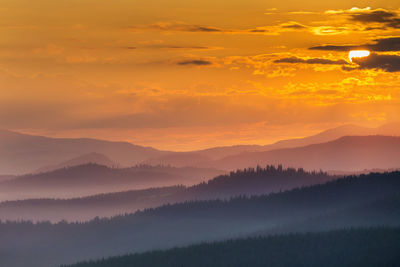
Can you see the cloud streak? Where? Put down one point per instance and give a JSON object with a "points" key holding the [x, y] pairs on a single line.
{"points": [[321, 61], [390, 44], [198, 62], [191, 28], [177, 26]]}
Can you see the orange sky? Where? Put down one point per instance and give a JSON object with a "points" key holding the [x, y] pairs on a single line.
{"points": [[192, 74]]}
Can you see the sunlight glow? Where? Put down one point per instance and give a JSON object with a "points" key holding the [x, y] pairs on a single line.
{"points": [[358, 54]]}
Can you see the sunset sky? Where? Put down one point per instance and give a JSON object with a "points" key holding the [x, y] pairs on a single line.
{"points": [[184, 75]]}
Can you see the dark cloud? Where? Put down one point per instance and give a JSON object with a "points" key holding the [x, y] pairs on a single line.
{"points": [[165, 46], [334, 47], [386, 44], [198, 62], [374, 16], [389, 63], [380, 45], [321, 61], [204, 29], [388, 18], [295, 26], [258, 30]]}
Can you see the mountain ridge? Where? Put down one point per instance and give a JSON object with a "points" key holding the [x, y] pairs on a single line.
{"points": [[331, 134], [348, 153], [24, 153]]}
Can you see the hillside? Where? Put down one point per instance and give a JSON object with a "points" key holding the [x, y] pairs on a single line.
{"points": [[354, 247], [257, 181], [87, 208], [242, 182], [192, 222], [89, 179]]}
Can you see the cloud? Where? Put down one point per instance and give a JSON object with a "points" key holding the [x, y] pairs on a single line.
{"points": [[331, 30], [388, 18], [380, 45], [335, 47], [373, 16], [177, 26], [277, 29], [367, 15], [388, 63], [346, 11], [386, 44], [184, 27], [177, 47], [198, 62], [302, 12], [382, 17], [293, 25], [322, 61]]}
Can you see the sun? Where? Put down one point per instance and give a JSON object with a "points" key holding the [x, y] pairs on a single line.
{"points": [[357, 54]]}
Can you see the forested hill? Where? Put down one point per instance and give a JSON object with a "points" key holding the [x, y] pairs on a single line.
{"points": [[196, 221], [255, 181], [241, 182], [373, 247], [89, 179]]}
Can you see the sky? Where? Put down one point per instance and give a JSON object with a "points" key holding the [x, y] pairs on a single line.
{"points": [[185, 75]]}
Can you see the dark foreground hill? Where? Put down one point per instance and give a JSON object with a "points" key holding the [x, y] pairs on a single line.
{"points": [[242, 182], [369, 247], [367, 200]]}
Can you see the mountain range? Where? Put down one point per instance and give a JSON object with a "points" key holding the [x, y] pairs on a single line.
{"points": [[205, 157], [24, 153], [348, 153]]}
